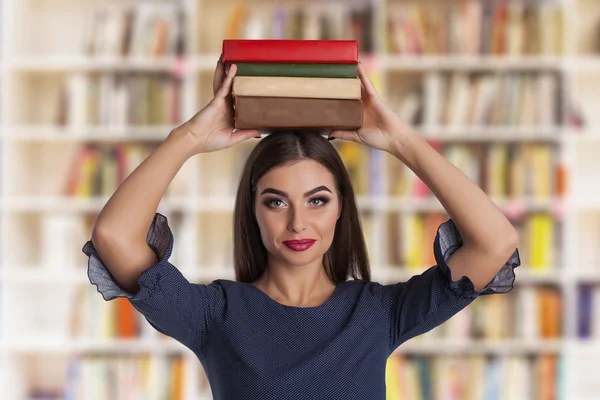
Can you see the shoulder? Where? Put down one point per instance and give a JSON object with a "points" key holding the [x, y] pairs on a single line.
{"points": [[232, 288], [363, 290], [362, 285]]}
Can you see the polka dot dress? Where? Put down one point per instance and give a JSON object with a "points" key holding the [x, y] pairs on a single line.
{"points": [[252, 347]]}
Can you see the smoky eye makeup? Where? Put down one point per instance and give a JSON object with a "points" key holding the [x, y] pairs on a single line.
{"points": [[323, 200], [271, 203], [317, 201]]}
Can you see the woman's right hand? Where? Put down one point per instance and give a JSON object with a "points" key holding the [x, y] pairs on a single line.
{"points": [[212, 127]]}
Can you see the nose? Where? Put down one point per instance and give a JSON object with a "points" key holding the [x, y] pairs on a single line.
{"points": [[297, 219]]}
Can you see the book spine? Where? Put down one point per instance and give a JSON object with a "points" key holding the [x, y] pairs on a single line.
{"points": [[299, 51], [297, 113], [284, 86], [297, 70]]}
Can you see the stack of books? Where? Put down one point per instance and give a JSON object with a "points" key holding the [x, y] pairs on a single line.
{"points": [[295, 84]]}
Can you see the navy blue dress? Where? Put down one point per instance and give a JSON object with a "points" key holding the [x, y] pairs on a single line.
{"points": [[252, 347]]}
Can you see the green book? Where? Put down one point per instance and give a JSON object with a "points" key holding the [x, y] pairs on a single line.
{"points": [[297, 69]]}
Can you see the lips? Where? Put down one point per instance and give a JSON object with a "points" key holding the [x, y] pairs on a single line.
{"points": [[299, 245]]}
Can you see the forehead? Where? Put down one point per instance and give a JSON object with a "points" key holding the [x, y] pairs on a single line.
{"points": [[297, 177]]}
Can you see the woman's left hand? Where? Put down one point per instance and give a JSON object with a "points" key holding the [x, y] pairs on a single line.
{"points": [[381, 127]]}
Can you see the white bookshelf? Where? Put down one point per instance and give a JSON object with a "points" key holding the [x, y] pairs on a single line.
{"points": [[34, 153], [4, 101]]}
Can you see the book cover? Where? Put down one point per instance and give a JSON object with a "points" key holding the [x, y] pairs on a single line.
{"points": [[316, 70], [284, 86], [290, 51], [297, 113]]}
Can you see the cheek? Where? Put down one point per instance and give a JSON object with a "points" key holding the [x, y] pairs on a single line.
{"points": [[326, 223], [270, 225]]}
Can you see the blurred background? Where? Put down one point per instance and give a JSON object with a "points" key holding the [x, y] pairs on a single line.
{"points": [[507, 90]]}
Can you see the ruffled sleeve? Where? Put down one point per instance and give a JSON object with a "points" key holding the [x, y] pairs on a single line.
{"points": [[159, 238], [431, 298], [447, 241], [168, 301]]}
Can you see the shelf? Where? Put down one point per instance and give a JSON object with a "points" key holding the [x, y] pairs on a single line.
{"points": [[495, 133], [19, 133], [88, 64], [471, 62], [504, 347], [96, 133], [389, 62], [79, 276], [433, 204], [75, 345], [587, 275], [33, 82], [584, 63], [83, 205], [589, 204]]}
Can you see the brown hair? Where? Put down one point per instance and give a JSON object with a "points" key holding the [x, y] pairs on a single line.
{"points": [[347, 254]]}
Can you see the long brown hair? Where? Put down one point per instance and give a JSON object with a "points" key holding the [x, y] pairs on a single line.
{"points": [[347, 255]]}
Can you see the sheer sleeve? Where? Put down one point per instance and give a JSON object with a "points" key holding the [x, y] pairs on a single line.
{"points": [[431, 298], [171, 304]]}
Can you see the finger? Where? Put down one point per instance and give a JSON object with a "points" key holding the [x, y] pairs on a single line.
{"points": [[363, 93], [226, 86], [351, 136], [369, 88], [219, 75], [243, 134]]}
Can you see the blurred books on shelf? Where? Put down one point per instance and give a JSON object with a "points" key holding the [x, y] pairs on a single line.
{"points": [[106, 320], [97, 169], [476, 27], [502, 324], [317, 22], [529, 314], [500, 88], [157, 377], [135, 30], [119, 99], [475, 376], [588, 311], [461, 99]]}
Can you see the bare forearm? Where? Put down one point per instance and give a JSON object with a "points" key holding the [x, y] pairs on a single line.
{"points": [[131, 209], [480, 222]]}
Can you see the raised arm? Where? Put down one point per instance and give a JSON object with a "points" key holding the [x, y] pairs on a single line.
{"points": [[475, 250], [119, 234], [131, 242], [488, 237]]}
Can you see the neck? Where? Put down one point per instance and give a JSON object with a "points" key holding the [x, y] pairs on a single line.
{"points": [[301, 286]]}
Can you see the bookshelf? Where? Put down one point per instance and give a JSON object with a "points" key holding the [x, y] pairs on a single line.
{"points": [[48, 117]]}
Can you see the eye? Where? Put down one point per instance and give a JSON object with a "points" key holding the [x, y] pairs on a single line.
{"points": [[323, 200], [269, 203]]}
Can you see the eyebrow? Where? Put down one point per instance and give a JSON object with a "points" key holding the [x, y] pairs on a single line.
{"points": [[284, 194]]}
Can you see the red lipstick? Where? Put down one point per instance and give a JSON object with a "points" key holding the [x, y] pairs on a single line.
{"points": [[299, 245]]}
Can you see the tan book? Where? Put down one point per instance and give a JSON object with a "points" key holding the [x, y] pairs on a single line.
{"points": [[291, 86], [297, 113]]}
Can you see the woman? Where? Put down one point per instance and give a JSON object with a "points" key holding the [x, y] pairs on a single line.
{"points": [[292, 326]]}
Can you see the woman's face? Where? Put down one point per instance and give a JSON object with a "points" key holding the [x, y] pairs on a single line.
{"points": [[294, 202]]}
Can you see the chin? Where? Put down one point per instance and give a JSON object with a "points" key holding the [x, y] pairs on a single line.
{"points": [[300, 257]]}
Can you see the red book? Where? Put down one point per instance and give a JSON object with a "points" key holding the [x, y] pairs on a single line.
{"points": [[290, 51]]}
